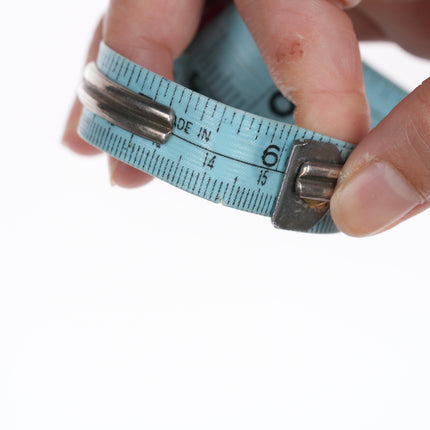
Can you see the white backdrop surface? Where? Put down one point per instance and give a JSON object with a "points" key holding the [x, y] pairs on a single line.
{"points": [[155, 309]]}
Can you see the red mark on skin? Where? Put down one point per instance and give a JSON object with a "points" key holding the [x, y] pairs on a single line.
{"points": [[290, 49]]}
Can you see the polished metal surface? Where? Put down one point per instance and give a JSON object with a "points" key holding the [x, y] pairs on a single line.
{"points": [[309, 181], [317, 181], [131, 111]]}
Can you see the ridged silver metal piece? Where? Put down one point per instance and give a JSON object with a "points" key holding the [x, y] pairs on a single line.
{"points": [[131, 111], [309, 181]]}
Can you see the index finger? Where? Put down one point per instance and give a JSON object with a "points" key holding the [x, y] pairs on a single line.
{"points": [[312, 53], [151, 33]]}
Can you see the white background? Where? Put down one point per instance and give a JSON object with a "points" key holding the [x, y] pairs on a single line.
{"points": [[155, 309]]}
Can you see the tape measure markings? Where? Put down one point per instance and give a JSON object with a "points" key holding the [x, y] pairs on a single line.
{"points": [[215, 151], [125, 149]]}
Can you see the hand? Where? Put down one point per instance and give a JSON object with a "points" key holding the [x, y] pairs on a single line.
{"points": [[387, 179], [151, 33], [311, 50]]}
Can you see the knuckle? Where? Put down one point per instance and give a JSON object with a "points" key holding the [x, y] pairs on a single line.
{"points": [[417, 134], [420, 122], [144, 40], [423, 95]]}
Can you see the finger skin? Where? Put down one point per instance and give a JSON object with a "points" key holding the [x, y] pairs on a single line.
{"points": [[128, 176], [387, 178], [346, 4], [70, 136], [152, 33], [405, 22], [365, 28], [311, 51]]}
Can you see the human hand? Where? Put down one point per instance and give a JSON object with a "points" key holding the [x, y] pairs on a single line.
{"points": [[151, 33], [312, 52], [387, 178]]}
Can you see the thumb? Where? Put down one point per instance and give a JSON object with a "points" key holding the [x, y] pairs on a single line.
{"points": [[387, 178]]}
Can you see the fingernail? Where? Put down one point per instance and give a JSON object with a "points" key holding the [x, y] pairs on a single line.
{"points": [[373, 200], [347, 4], [113, 166]]}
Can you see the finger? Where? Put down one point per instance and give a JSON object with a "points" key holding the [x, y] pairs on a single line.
{"points": [[128, 176], [70, 135], [402, 21], [365, 28], [387, 178], [151, 33], [345, 4], [312, 52]]}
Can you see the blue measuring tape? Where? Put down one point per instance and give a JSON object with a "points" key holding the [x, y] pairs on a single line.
{"points": [[231, 142]]}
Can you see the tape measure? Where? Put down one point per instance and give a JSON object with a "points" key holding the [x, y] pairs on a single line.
{"points": [[222, 131]]}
